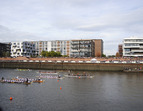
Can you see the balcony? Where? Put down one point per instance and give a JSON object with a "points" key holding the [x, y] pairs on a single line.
{"points": [[134, 41], [133, 55], [81, 50], [74, 43], [74, 47], [24, 52], [127, 52], [84, 47], [14, 45], [86, 43], [74, 50], [85, 50], [80, 43], [137, 51], [131, 47]]}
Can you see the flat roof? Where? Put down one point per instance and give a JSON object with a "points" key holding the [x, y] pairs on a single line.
{"points": [[133, 38], [85, 39]]}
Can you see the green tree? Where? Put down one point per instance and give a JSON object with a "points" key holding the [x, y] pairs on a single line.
{"points": [[103, 55], [47, 54], [58, 54], [50, 54], [117, 54], [6, 54], [43, 53], [65, 56]]}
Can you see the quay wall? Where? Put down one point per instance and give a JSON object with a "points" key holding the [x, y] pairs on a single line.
{"points": [[71, 66]]}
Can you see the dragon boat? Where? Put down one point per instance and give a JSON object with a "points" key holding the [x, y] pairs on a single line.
{"points": [[79, 76]]}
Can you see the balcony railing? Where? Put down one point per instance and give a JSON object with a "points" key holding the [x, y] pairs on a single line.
{"points": [[137, 51], [75, 47], [81, 50], [131, 46], [81, 42], [75, 51]]}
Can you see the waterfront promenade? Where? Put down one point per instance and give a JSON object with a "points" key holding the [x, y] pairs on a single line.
{"points": [[67, 59], [87, 64]]}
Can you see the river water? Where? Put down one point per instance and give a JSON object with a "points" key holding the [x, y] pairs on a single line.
{"points": [[107, 91]]}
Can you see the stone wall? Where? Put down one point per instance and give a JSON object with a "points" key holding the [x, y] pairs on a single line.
{"points": [[70, 66]]}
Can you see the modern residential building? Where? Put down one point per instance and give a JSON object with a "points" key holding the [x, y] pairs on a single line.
{"points": [[133, 47], [82, 48], [4, 49], [62, 46], [120, 50], [86, 48], [41, 46], [71, 48], [26, 49]]}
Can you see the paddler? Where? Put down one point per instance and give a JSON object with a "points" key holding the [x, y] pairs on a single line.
{"points": [[2, 78], [27, 80], [59, 76], [39, 80]]}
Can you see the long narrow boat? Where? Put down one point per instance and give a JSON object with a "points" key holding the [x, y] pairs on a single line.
{"points": [[48, 72], [21, 80], [15, 81], [31, 80], [78, 76], [38, 81], [23, 69], [50, 76]]}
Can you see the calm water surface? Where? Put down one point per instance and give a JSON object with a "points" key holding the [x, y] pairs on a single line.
{"points": [[107, 91]]}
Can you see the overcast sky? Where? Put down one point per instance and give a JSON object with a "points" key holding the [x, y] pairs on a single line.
{"points": [[110, 20]]}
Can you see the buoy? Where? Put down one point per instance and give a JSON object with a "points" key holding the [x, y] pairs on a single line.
{"points": [[57, 80], [79, 77], [60, 88], [10, 98]]}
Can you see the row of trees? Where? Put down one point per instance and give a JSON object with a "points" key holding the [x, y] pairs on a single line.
{"points": [[51, 54], [5, 54], [56, 54]]}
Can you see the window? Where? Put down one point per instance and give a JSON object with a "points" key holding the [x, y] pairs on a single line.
{"points": [[127, 50], [131, 44]]}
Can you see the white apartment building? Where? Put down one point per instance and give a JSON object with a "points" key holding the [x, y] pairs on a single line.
{"points": [[26, 49], [41, 46], [133, 47], [62, 46]]}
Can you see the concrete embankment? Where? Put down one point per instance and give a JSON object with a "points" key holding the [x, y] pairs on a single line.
{"points": [[70, 66]]}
